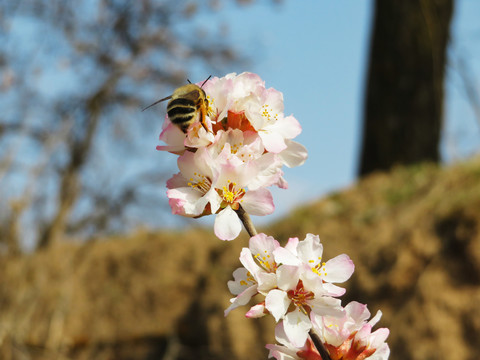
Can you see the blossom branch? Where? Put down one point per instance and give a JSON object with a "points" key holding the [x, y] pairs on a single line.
{"points": [[247, 222], [320, 348], [227, 160]]}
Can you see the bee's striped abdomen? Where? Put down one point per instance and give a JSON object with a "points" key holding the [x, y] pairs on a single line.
{"points": [[182, 112]]}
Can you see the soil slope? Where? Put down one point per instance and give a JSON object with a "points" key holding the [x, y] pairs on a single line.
{"points": [[413, 234]]}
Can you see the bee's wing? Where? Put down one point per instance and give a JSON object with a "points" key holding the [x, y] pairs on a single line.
{"points": [[156, 102], [192, 95]]}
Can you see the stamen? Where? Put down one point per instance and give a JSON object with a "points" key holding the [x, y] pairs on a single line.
{"points": [[202, 183], [230, 194], [300, 296], [268, 113], [263, 261], [319, 268]]}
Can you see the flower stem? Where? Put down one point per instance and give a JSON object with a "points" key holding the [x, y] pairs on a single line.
{"points": [[318, 344], [247, 222]]}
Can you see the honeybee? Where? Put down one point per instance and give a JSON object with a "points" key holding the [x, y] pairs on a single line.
{"points": [[188, 105]]}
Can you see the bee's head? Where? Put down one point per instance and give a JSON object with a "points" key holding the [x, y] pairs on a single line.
{"points": [[188, 90]]}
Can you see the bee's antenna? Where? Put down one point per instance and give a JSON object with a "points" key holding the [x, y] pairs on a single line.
{"points": [[189, 81], [206, 80]]}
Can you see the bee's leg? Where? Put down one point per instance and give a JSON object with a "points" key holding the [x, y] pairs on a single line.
{"points": [[203, 115]]}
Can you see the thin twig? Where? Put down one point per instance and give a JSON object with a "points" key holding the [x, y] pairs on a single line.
{"points": [[247, 222], [318, 344]]}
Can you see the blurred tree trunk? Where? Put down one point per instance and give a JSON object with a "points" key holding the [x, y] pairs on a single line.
{"points": [[102, 59], [9, 230], [404, 96], [79, 150]]}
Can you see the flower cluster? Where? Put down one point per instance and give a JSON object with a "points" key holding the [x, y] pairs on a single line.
{"points": [[241, 152], [300, 293], [228, 155]]}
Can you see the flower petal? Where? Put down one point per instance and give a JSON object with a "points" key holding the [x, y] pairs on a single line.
{"points": [[277, 303], [310, 250], [287, 126], [297, 325], [287, 277], [242, 299], [382, 353], [227, 225], [246, 258], [262, 247], [240, 282], [273, 142], [186, 201], [285, 257], [258, 202], [173, 137], [256, 311], [294, 155], [338, 269], [326, 305]]}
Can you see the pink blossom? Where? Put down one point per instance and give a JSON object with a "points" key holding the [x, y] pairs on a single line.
{"points": [[292, 292], [350, 337], [217, 186], [300, 285], [308, 254], [257, 275], [173, 137], [242, 102], [346, 337], [241, 147], [287, 351], [190, 191], [245, 147], [231, 185]]}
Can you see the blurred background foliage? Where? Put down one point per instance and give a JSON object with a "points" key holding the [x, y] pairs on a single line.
{"points": [[73, 79]]}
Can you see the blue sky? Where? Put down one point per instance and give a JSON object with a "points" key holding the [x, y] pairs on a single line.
{"points": [[315, 52]]}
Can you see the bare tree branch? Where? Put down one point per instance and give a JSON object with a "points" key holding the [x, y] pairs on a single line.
{"points": [[84, 68]]}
